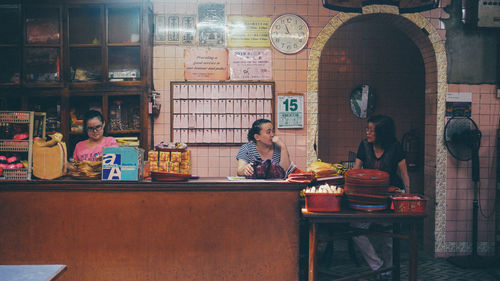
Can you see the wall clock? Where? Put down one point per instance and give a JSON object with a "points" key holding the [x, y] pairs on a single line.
{"points": [[289, 33]]}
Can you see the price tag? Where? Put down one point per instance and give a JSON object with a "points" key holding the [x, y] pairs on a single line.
{"points": [[290, 111]]}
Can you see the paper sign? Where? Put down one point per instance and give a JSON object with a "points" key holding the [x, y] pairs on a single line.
{"points": [[229, 121], [205, 64], [211, 24], [250, 64], [248, 31], [177, 106], [177, 91], [290, 111]]}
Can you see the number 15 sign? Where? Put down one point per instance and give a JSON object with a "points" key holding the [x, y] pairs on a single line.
{"points": [[290, 111]]}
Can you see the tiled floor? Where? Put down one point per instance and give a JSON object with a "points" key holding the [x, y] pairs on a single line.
{"points": [[429, 269]]}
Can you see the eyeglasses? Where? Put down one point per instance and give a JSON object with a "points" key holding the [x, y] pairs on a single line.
{"points": [[94, 129], [369, 130]]}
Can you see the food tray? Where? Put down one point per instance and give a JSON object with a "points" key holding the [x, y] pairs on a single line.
{"points": [[408, 203], [165, 176], [323, 202]]}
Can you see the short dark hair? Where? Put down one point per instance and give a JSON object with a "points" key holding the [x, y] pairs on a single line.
{"points": [[256, 127], [89, 115], [385, 130]]}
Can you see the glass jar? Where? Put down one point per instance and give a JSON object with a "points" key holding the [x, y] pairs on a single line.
{"points": [[136, 118], [115, 115]]}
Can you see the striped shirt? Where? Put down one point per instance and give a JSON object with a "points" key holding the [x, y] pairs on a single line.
{"points": [[248, 152]]}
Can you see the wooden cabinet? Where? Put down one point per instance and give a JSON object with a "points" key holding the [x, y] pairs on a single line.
{"points": [[66, 57]]}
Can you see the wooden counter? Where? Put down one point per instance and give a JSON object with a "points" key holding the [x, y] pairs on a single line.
{"points": [[207, 229]]}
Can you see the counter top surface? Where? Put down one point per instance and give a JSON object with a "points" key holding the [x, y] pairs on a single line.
{"points": [[200, 184]]}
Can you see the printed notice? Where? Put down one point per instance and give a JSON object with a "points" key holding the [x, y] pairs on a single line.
{"points": [[290, 111], [205, 64], [248, 31], [250, 64], [211, 24]]}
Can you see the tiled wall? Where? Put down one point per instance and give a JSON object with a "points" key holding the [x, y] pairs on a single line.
{"points": [[291, 74]]}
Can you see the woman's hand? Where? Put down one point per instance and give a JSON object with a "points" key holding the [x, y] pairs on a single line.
{"points": [[248, 171], [278, 141]]}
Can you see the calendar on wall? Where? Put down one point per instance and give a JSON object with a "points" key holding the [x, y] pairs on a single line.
{"points": [[218, 113]]}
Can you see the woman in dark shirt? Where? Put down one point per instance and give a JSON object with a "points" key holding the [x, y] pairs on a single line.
{"points": [[381, 150]]}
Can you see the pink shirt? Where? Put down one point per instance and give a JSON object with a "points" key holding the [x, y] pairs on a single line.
{"points": [[83, 152]]}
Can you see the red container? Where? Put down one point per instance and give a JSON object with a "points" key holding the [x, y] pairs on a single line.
{"points": [[323, 202], [409, 203]]}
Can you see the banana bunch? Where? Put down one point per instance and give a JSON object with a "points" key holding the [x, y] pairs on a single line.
{"points": [[341, 169]]}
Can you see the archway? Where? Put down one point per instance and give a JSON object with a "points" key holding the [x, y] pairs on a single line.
{"points": [[432, 50]]}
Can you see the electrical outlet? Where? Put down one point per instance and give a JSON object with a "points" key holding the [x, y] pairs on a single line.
{"points": [[498, 93]]}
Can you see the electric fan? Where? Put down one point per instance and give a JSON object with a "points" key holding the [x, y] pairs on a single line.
{"points": [[463, 139]]}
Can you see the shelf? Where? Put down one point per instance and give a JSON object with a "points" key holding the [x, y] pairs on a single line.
{"points": [[14, 145], [124, 132]]}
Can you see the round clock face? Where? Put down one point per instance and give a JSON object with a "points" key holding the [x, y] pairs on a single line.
{"points": [[289, 34]]}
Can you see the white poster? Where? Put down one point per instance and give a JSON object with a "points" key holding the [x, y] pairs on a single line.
{"points": [[250, 64], [290, 111]]}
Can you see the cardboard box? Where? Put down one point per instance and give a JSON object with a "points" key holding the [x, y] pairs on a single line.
{"points": [[122, 163]]}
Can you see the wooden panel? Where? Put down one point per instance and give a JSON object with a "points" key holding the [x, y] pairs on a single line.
{"points": [[153, 235]]}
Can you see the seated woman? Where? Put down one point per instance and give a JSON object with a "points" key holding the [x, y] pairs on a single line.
{"points": [[262, 145], [94, 127], [381, 150]]}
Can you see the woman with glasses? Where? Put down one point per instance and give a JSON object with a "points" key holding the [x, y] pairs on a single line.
{"points": [[381, 150], [91, 149]]}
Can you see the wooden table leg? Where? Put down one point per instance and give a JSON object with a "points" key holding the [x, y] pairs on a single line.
{"points": [[396, 254], [313, 271], [412, 276]]}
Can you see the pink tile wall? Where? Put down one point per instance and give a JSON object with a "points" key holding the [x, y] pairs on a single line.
{"points": [[379, 55], [289, 74], [459, 190]]}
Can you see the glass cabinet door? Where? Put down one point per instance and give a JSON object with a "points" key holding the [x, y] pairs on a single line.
{"points": [[9, 65], [85, 26], [10, 39], [123, 25], [43, 44], [85, 64], [42, 25], [9, 29], [42, 64], [124, 63]]}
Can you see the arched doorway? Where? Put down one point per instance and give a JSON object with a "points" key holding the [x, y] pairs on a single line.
{"points": [[421, 33]]}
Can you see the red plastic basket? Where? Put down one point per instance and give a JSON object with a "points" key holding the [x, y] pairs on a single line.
{"points": [[323, 202], [409, 203]]}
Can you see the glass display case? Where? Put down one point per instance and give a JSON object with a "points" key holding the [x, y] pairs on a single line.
{"points": [[10, 58], [9, 65], [85, 25], [42, 25], [42, 65], [85, 64], [9, 29], [124, 63], [64, 57], [123, 25]]}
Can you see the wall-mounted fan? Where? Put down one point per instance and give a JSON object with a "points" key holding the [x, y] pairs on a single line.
{"points": [[463, 139]]}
